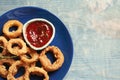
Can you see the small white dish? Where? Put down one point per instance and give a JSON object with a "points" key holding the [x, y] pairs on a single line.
{"points": [[25, 26]]}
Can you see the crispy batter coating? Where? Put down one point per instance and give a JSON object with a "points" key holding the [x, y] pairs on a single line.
{"points": [[30, 57], [16, 42], [4, 63], [38, 71], [14, 68], [12, 23], [46, 63], [3, 44]]}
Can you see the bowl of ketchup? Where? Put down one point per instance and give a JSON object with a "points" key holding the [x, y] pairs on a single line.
{"points": [[38, 33]]}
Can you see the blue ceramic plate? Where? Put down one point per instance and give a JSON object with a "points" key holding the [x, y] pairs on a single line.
{"points": [[62, 37]]}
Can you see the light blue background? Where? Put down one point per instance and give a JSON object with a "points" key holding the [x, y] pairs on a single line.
{"points": [[94, 26]]}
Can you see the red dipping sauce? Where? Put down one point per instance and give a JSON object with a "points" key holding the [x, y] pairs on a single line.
{"points": [[39, 33]]}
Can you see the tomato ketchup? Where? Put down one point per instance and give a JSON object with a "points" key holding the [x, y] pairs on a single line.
{"points": [[39, 33]]}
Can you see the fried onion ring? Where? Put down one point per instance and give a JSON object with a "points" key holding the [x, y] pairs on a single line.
{"points": [[37, 71], [17, 42], [12, 23], [4, 63], [30, 57], [3, 44], [14, 68], [46, 63]]}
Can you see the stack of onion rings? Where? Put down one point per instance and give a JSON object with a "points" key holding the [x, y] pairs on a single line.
{"points": [[13, 44]]}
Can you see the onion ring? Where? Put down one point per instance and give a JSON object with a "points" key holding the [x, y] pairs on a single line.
{"points": [[46, 63], [14, 68], [3, 43], [18, 42], [37, 71], [12, 23], [3, 69], [31, 57]]}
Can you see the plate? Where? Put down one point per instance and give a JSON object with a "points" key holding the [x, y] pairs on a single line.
{"points": [[62, 37]]}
